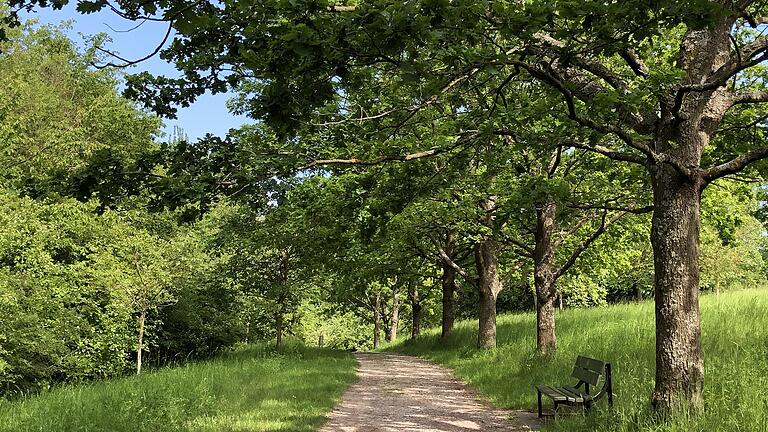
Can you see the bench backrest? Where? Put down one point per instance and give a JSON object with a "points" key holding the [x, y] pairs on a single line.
{"points": [[588, 370]]}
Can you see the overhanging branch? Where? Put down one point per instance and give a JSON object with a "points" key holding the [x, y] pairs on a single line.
{"points": [[604, 224], [734, 165]]}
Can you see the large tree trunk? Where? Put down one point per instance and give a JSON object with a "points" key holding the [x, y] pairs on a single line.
{"points": [[675, 241], [676, 217], [449, 288], [413, 293], [544, 278], [140, 343], [377, 322], [394, 321], [489, 286]]}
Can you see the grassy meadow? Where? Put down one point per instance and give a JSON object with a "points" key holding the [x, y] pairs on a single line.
{"points": [[255, 388], [735, 344]]}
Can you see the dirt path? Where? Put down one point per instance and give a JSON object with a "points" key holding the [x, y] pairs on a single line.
{"points": [[407, 394]]}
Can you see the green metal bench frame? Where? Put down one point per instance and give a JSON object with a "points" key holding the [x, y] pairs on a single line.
{"points": [[588, 371]]}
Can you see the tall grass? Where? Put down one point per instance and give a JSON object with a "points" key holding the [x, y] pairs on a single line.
{"points": [[255, 388], [735, 344]]}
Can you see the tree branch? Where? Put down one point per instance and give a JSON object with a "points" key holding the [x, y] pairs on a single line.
{"points": [[750, 96], [734, 165], [634, 210], [743, 59], [377, 161], [596, 68], [609, 153], [396, 158], [127, 62], [527, 250], [634, 62], [576, 253], [446, 259], [556, 82]]}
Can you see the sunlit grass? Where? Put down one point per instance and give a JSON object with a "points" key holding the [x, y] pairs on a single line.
{"points": [[252, 389], [735, 343]]}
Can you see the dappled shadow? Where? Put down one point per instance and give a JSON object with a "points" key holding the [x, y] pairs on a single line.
{"points": [[403, 393]]}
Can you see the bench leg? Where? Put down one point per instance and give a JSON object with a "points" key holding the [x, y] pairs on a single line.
{"points": [[540, 413]]}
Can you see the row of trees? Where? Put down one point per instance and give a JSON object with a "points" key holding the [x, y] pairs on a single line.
{"points": [[531, 130]]}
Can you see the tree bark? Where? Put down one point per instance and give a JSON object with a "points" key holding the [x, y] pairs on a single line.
{"points": [[413, 291], [394, 321], [278, 328], [489, 286], [377, 322], [675, 241], [279, 320], [544, 278], [140, 344], [448, 281]]}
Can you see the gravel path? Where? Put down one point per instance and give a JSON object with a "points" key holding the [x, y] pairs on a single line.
{"points": [[407, 394]]}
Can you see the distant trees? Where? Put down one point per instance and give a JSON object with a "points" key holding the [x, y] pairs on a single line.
{"points": [[91, 284]]}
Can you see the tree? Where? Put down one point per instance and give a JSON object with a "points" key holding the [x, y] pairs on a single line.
{"points": [[65, 128], [137, 265]]}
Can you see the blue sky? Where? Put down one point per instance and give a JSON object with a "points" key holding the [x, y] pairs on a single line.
{"points": [[208, 115]]}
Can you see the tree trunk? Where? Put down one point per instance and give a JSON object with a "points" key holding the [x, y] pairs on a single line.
{"points": [[489, 286], [394, 321], [544, 278], [449, 288], [675, 241], [140, 344], [377, 322], [413, 290], [278, 328]]}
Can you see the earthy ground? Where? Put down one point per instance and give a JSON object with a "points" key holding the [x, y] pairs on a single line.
{"points": [[408, 394]]}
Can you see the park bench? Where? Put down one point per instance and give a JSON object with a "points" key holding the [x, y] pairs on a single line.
{"points": [[588, 371]]}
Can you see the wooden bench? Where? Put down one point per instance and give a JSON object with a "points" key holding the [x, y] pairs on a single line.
{"points": [[588, 371]]}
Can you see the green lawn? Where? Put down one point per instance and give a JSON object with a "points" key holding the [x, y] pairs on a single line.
{"points": [[735, 342], [252, 389]]}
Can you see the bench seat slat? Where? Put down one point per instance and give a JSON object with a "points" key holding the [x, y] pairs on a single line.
{"points": [[559, 394], [577, 392]]}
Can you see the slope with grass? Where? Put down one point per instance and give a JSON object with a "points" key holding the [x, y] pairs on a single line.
{"points": [[735, 344], [252, 389]]}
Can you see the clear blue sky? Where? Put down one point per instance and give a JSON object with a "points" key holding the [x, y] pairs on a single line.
{"points": [[208, 115]]}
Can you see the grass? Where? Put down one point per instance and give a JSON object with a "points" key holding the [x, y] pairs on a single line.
{"points": [[255, 388], [735, 344]]}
